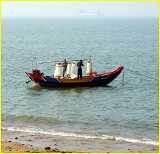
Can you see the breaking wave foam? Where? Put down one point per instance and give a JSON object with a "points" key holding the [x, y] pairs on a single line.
{"points": [[102, 137]]}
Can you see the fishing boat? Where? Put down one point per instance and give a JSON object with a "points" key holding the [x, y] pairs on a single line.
{"points": [[70, 79]]}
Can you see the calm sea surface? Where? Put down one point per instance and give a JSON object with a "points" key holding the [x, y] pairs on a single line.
{"points": [[129, 111]]}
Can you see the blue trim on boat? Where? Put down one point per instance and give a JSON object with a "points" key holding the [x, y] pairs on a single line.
{"points": [[49, 81]]}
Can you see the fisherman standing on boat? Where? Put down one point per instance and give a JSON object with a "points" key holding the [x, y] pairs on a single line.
{"points": [[64, 66], [79, 65]]}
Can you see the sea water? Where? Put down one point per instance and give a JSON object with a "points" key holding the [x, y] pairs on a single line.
{"points": [[128, 112]]}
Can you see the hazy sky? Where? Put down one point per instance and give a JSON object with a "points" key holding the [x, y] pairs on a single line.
{"points": [[79, 9]]}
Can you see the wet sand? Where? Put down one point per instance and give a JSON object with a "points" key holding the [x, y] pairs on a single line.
{"points": [[29, 142]]}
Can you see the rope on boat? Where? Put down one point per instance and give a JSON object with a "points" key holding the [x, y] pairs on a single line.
{"points": [[140, 74], [61, 61], [137, 73], [123, 79], [28, 81]]}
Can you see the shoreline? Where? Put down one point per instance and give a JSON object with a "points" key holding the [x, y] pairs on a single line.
{"points": [[15, 141]]}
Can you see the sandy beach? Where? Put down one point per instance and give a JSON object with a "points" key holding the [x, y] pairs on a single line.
{"points": [[28, 142]]}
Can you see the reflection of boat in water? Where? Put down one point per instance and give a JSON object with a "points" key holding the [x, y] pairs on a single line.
{"points": [[69, 79]]}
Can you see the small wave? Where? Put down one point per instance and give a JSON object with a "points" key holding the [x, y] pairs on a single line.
{"points": [[32, 119], [102, 137]]}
